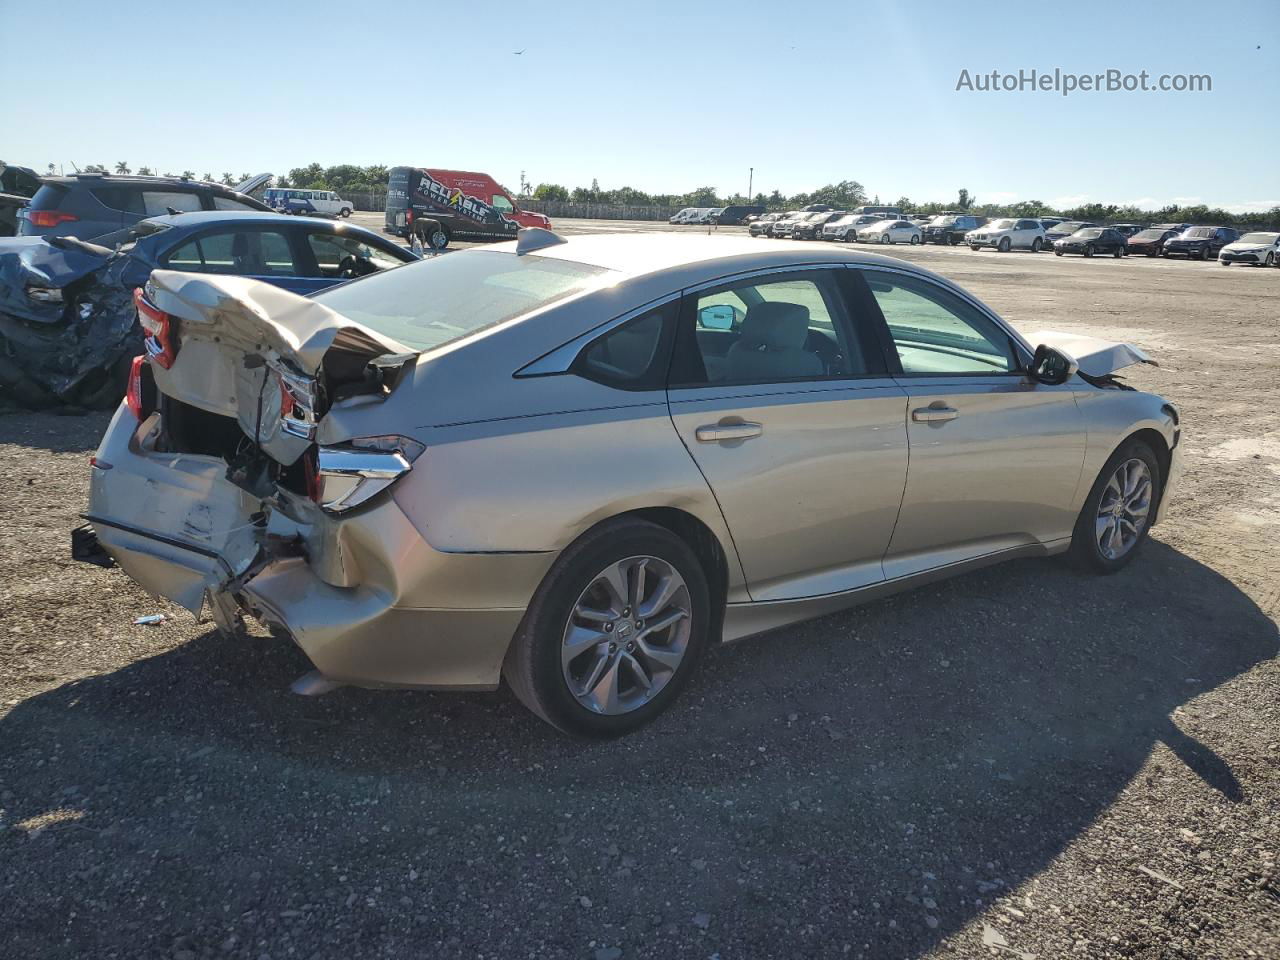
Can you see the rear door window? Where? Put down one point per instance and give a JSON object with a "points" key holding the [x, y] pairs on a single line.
{"points": [[156, 203], [235, 253], [124, 199]]}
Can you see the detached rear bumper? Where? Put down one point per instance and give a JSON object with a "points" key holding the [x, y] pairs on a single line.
{"points": [[365, 596]]}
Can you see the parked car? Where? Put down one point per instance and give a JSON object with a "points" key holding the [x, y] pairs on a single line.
{"points": [[87, 205], [761, 225], [1127, 230], [17, 186], [812, 227], [784, 220], [310, 203], [1260, 248], [1062, 230], [1050, 222], [818, 208], [707, 215], [67, 327], [355, 491], [1199, 243], [1007, 233], [949, 229], [781, 229], [890, 231], [464, 204], [846, 226], [1150, 242], [738, 214], [682, 215], [1090, 241]]}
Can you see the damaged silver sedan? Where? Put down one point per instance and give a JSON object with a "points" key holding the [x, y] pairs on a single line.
{"points": [[575, 464]]}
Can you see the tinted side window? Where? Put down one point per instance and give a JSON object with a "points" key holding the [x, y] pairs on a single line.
{"points": [[226, 203], [632, 356], [235, 252], [156, 203], [119, 198], [936, 332]]}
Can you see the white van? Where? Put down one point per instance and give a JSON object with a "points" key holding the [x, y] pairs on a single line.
{"points": [[323, 203]]}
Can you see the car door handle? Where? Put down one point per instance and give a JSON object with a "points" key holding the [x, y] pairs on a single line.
{"points": [[718, 432], [934, 414]]}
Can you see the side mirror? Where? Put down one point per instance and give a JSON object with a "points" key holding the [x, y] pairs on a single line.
{"points": [[717, 316], [1052, 366]]}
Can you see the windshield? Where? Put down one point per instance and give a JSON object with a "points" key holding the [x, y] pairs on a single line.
{"points": [[942, 221], [119, 239], [429, 304], [1001, 225], [1199, 232], [1151, 234], [1259, 238], [1090, 233], [1071, 226]]}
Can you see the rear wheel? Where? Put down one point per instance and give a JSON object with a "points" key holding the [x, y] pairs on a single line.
{"points": [[1116, 516], [614, 632]]}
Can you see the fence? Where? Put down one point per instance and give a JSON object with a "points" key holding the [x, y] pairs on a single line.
{"points": [[375, 201]]}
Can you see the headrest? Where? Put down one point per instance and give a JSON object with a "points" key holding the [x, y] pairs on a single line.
{"points": [[776, 325]]}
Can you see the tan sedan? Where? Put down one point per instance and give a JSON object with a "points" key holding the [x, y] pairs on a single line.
{"points": [[577, 463]]}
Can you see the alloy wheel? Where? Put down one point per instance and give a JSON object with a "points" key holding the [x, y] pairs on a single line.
{"points": [[1123, 509], [627, 635]]}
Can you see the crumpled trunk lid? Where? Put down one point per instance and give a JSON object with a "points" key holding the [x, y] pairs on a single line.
{"points": [[258, 353]]}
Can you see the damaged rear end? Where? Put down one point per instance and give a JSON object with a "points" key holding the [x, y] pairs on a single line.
{"points": [[222, 483]]}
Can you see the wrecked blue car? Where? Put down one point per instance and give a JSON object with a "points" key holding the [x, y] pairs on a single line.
{"points": [[68, 329]]}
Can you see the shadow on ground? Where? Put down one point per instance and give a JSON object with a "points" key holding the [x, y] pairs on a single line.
{"points": [[811, 786]]}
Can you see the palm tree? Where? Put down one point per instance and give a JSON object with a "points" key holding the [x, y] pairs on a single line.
{"points": [[51, 169], [144, 171], [228, 180], [122, 167], [188, 174], [208, 178]]}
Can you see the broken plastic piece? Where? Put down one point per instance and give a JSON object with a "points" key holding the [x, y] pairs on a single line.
{"points": [[151, 619]]}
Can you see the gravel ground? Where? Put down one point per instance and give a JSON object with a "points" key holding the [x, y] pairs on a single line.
{"points": [[1024, 761]]}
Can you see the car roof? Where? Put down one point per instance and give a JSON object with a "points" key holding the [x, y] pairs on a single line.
{"points": [[74, 178], [640, 254], [203, 217]]}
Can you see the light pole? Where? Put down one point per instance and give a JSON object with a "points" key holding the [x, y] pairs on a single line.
{"points": [[751, 175]]}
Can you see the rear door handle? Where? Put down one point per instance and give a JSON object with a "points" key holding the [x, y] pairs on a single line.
{"points": [[934, 414], [718, 432]]}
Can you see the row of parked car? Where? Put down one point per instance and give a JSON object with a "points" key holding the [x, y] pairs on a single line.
{"points": [[727, 216], [1062, 236]]}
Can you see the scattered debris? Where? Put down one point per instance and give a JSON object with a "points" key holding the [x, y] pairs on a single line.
{"points": [[1156, 874], [993, 938], [702, 920], [151, 619]]}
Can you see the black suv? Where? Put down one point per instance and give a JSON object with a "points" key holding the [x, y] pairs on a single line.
{"points": [[87, 205], [1199, 243], [950, 229]]}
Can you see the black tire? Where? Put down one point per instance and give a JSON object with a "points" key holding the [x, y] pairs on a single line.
{"points": [[975, 247], [344, 212], [1117, 253], [1088, 250], [915, 239], [1084, 551], [1005, 245], [1036, 244], [1057, 252], [532, 667], [1270, 261]]}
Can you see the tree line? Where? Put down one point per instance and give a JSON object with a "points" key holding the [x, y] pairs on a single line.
{"points": [[844, 195]]}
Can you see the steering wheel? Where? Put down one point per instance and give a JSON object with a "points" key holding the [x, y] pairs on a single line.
{"points": [[352, 266]]}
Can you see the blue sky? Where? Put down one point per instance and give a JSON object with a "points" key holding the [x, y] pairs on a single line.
{"points": [[665, 96]]}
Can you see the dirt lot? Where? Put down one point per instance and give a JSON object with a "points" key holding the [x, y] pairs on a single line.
{"points": [[1045, 763]]}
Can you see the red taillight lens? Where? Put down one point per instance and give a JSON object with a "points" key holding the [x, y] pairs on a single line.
{"points": [[133, 393], [49, 218], [408, 215], [161, 343]]}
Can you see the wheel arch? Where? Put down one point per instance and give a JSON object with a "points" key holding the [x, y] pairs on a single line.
{"points": [[1164, 458]]}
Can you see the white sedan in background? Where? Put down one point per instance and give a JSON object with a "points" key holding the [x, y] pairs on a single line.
{"points": [[890, 231], [1259, 249]]}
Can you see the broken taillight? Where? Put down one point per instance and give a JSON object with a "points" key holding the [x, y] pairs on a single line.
{"points": [[161, 339], [140, 394], [49, 218]]}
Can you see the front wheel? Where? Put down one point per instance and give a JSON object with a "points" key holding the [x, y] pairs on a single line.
{"points": [[1116, 516], [1005, 245], [884, 238], [915, 239], [344, 212], [1057, 253], [1088, 251], [975, 247], [1270, 261], [1035, 245], [1117, 253], [614, 632]]}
